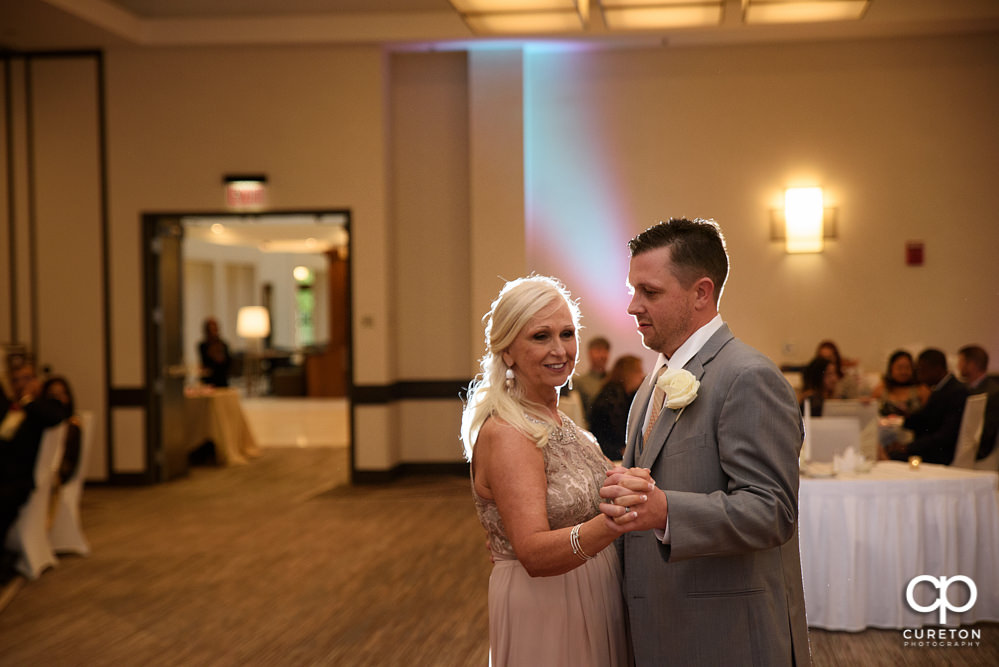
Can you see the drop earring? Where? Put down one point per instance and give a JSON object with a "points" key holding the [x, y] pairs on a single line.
{"points": [[510, 379]]}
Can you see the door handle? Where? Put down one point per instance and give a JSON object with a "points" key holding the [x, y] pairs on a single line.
{"points": [[176, 371]]}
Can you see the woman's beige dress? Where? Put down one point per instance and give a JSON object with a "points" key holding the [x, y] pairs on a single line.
{"points": [[575, 618]]}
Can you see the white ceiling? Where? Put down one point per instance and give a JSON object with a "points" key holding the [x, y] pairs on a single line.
{"points": [[32, 25], [288, 233]]}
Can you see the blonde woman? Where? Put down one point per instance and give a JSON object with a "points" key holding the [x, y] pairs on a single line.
{"points": [[555, 589]]}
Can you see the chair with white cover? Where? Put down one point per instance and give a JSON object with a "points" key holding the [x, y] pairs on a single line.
{"points": [[990, 462], [29, 536], [66, 533], [829, 437], [970, 433], [866, 414]]}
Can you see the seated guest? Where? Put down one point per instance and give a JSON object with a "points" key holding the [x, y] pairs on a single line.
{"points": [[973, 366], [23, 418], [936, 425], [819, 381], [847, 385], [588, 384], [58, 388], [608, 416], [899, 392], [15, 357], [214, 355]]}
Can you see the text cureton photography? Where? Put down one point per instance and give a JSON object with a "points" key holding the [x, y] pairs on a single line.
{"points": [[937, 637]]}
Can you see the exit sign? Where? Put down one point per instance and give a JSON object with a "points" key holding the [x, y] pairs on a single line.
{"points": [[245, 193]]}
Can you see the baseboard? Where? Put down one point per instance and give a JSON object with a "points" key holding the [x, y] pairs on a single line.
{"points": [[455, 468]]}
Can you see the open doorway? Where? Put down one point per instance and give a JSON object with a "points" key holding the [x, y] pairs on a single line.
{"points": [[293, 376]]}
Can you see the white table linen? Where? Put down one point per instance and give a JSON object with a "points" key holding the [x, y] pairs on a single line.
{"points": [[217, 415], [864, 536]]}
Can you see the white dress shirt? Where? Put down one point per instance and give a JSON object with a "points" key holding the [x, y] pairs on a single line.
{"points": [[683, 354]]}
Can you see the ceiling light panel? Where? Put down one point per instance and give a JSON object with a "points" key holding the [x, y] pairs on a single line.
{"points": [[660, 14], [802, 11]]}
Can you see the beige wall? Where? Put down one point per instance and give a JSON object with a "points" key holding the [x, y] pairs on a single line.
{"points": [[431, 153], [902, 134], [430, 212], [496, 190], [430, 262], [56, 276], [312, 119], [68, 248], [457, 200]]}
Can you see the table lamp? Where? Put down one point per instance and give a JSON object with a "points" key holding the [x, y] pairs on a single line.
{"points": [[254, 324]]}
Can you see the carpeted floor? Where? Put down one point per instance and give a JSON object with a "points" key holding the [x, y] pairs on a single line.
{"points": [[278, 563], [265, 564]]}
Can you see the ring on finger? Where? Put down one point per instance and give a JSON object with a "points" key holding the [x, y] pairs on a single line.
{"points": [[626, 510]]}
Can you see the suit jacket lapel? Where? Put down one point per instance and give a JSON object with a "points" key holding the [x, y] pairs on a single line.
{"points": [[657, 439], [668, 419], [636, 417]]}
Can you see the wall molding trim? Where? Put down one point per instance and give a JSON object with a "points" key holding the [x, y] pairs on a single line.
{"points": [[456, 469], [408, 390]]}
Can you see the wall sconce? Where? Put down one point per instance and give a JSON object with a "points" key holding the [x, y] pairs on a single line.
{"points": [[517, 17], [804, 223], [254, 324]]}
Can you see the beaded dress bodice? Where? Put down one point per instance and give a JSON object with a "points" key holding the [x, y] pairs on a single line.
{"points": [[574, 468]]}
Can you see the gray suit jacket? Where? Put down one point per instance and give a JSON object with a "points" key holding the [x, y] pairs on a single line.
{"points": [[727, 590]]}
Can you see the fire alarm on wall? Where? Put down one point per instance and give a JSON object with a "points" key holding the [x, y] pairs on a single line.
{"points": [[914, 253]]}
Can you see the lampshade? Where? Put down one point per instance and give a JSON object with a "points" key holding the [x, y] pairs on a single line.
{"points": [[803, 217], [253, 322]]}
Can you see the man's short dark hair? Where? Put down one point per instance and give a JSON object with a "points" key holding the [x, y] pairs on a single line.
{"points": [[599, 341], [933, 357], [697, 249], [977, 355]]}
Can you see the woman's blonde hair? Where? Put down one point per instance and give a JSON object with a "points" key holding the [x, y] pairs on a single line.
{"points": [[518, 302]]}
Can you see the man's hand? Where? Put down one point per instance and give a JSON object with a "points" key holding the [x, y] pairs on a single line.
{"points": [[634, 502]]}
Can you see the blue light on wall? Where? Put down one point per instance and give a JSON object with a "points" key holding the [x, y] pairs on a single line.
{"points": [[577, 226]]}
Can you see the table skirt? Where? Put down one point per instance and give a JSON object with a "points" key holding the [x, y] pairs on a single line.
{"points": [[864, 537]]}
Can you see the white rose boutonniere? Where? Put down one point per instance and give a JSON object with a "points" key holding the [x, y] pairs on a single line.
{"points": [[680, 387]]}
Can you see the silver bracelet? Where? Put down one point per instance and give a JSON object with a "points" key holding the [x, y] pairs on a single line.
{"points": [[576, 546]]}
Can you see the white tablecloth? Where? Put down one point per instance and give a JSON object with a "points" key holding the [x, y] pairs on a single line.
{"points": [[865, 536], [216, 415]]}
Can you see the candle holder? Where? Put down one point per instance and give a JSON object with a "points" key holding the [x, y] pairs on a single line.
{"points": [[914, 462]]}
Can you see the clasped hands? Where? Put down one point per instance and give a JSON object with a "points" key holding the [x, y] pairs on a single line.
{"points": [[633, 501]]}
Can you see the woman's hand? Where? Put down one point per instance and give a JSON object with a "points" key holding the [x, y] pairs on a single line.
{"points": [[625, 489]]}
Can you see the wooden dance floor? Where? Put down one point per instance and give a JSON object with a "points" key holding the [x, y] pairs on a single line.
{"points": [[278, 563]]}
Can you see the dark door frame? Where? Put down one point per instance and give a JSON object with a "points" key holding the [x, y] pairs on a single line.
{"points": [[151, 224]]}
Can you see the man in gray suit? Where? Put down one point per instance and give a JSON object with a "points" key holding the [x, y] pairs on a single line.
{"points": [[712, 574]]}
